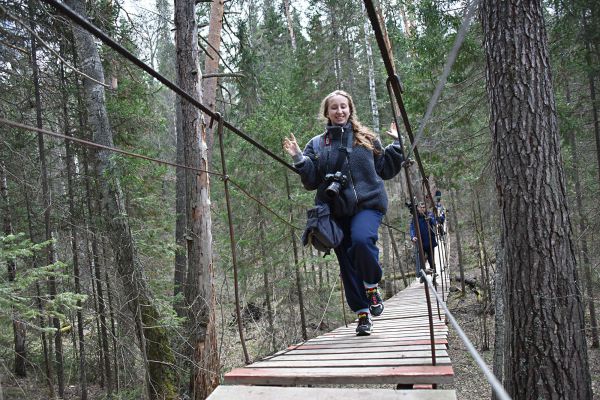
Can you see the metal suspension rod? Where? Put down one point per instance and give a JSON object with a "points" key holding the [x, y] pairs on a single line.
{"points": [[415, 221], [85, 24], [231, 239]]}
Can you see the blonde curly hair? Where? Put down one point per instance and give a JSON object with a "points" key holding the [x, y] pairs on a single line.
{"points": [[363, 136]]}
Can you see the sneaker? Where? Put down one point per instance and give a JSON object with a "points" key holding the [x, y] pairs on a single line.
{"points": [[365, 325], [375, 302]]}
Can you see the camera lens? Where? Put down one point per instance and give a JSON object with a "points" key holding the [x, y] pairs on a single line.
{"points": [[333, 190]]}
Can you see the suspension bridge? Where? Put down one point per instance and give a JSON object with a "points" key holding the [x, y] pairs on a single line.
{"points": [[408, 348], [400, 352]]}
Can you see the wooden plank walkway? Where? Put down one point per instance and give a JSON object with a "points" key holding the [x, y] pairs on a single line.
{"points": [[294, 393], [397, 352]]}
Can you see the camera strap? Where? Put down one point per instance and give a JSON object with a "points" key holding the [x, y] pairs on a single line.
{"points": [[347, 149]]}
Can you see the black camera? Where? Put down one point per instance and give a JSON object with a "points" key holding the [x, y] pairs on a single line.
{"points": [[336, 182]]}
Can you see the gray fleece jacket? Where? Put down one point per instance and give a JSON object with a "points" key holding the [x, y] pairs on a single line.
{"points": [[364, 170]]}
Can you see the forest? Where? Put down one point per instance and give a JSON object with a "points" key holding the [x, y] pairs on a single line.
{"points": [[134, 219]]}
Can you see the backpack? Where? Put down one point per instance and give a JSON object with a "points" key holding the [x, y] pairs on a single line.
{"points": [[322, 232]]}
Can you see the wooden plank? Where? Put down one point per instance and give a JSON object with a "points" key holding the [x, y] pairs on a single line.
{"points": [[228, 392], [332, 376], [400, 323], [340, 363], [405, 342], [379, 326], [375, 338], [358, 356], [368, 350], [376, 329]]}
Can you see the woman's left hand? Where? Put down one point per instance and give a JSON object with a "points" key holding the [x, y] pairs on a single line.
{"points": [[393, 132]]}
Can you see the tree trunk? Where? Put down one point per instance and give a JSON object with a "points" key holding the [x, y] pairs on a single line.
{"points": [[266, 271], [38, 302], [51, 254], [74, 234], [485, 340], [19, 327], [500, 316], [546, 347], [211, 66], [588, 37], [180, 218], [199, 290], [369, 52], [161, 375], [95, 270], [296, 263], [290, 24], [396, 251], [459, 252], [583, 228]]}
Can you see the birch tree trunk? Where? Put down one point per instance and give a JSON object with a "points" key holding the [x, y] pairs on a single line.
{"points": [[290, 23], [154, 338], [198, 289], [546, 346], [372, 85]]}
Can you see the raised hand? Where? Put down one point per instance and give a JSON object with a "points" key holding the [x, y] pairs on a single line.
{"points": [[393, 132], [291, 146]]}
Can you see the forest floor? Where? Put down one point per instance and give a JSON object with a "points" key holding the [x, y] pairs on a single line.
{"points": [[469, 381]]}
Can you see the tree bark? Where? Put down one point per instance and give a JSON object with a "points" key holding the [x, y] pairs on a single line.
{"points": [[583, 228], [499, 318], [211, 66], [546, 347], [290, 23], [372, 85], [38, 302], [19, 327], [161, 376], [199, 290], [51, 253], [180, 218], [74, 235], [396, 251], [461, 261], [485, 339], [266, 271], [296, 264], [95, 270]]}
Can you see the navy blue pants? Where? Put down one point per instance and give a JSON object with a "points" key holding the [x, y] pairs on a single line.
{"points": [[358, 256], [428, 254]]}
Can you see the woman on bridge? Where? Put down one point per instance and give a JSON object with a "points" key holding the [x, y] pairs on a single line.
{"points": [[347, 164]]}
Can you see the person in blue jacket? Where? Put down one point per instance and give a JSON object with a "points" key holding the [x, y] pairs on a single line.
{"points": [[427, 228], [346, 165]]}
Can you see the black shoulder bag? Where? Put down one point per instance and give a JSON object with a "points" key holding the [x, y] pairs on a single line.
{"points": [[322, 231]]}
